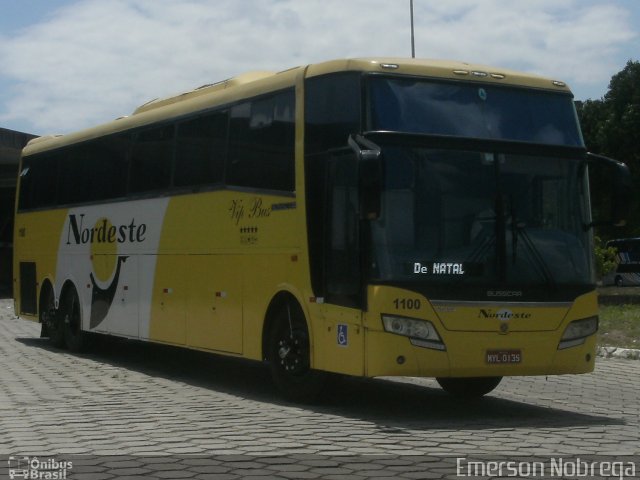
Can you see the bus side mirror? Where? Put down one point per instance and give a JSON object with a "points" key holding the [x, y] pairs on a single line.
{"points": [[620, 186], [370, 176]]}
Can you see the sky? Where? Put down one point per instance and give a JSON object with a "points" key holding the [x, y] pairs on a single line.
{"points": [[71, 64]]}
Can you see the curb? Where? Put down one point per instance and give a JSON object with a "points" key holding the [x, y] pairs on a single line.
{"points": [[618, 352]]}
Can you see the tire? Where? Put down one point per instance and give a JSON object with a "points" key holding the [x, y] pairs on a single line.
{"points": [[619, 282], [74, 338], [469, 387], [50, 319], [288, 354]]}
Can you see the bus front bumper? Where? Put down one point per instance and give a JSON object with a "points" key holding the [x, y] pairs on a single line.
{"points": [[478, 354]]}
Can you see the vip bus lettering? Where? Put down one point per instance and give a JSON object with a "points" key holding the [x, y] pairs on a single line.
{"points": [[104, 233], [254, 210], [257, 210], [236, 211]]}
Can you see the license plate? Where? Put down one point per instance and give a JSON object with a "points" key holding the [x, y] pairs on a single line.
{"points": [[500, 357]]}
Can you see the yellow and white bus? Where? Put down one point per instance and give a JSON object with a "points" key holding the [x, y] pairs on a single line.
{"points": [[364, 217]]}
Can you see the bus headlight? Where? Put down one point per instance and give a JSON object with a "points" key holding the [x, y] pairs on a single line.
{"points": [[421, 333], [577, 331]]}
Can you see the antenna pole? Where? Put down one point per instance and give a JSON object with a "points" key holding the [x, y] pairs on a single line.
{"points": [[413, 42]]}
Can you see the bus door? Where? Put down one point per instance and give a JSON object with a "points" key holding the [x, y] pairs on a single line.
{"points": [[342, 308]]}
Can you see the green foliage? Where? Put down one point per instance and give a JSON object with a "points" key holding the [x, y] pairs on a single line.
{"points": [[619, 326], [611, 127], [605, 257]]}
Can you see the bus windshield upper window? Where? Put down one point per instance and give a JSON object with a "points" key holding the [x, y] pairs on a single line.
{"points": [[332, 110], [473, 111]]}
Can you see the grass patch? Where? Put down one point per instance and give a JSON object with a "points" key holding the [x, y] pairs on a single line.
{"points": [[619, 326]]}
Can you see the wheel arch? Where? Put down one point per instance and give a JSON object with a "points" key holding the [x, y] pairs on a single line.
{"points": [[45, 287], [278, 301], [67, 286]]}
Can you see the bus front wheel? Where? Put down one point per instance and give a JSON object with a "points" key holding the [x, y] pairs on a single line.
{"points": [[469, 387], [74, 337], [289, 356]]}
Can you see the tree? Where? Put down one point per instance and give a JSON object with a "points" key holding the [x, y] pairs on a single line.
{"points": [[611, 127], [606, 258]]}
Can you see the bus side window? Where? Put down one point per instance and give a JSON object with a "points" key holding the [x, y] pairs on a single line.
{"points": [[107, 177], [72, 176], [25, 199], [36, 188], [261, 143], [201, 150], [151, 157]]}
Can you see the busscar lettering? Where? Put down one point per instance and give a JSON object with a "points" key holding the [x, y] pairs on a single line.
{"points": [[504, 293], [78, 234]]}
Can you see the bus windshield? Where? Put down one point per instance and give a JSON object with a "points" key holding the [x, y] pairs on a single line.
{"points": [[481, 218], [472, 111]]}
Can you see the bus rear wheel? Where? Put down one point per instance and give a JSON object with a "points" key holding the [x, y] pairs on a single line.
{"points": [[468, 387], [619, 282], [74, 337], [51, 323], [289, 356]]}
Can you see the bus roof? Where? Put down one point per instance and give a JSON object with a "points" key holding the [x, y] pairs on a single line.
{"points": [[255, 83]]}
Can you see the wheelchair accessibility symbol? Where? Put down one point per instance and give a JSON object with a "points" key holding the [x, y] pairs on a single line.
{"points": [[343, 335]]}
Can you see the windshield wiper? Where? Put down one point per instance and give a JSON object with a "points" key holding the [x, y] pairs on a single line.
{"points": [[519, 229]]}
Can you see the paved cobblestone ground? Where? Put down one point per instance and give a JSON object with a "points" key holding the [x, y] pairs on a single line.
{"points": [[132, 410]]}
